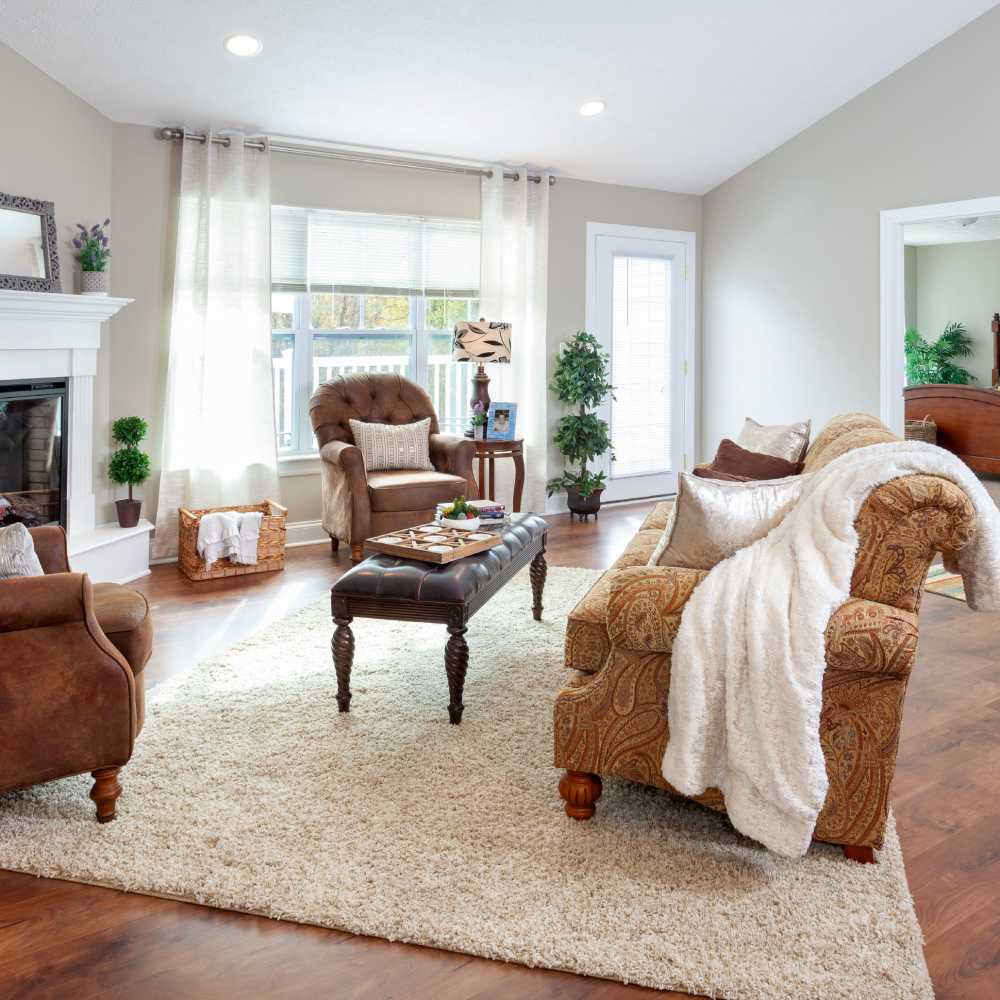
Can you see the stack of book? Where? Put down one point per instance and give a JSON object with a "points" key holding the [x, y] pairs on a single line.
{"points": [[488, 510]]}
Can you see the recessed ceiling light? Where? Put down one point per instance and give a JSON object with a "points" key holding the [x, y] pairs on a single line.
{"points": [[591, 108], [243, 45]]}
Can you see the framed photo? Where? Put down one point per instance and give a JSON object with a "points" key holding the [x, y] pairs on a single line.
{"points": [[501, 422]]}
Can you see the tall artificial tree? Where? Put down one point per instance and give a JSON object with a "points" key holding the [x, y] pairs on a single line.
{"points": [[581, 380]]}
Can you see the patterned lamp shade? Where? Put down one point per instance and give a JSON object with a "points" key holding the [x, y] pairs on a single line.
{"points": [[482, 342]]}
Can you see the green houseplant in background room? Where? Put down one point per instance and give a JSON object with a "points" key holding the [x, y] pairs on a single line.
{"points": [[580, 380], [92, 252], [128, 466], [931, 364]]}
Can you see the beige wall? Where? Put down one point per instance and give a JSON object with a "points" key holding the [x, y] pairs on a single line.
{"points": [[960, 282], [572, 205], [57, 148], [791, 256]]}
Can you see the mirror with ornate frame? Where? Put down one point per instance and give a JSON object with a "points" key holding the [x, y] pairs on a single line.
{"points": [[29, 260]]}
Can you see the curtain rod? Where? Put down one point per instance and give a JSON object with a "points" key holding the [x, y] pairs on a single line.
{"points": [[323, 152]]}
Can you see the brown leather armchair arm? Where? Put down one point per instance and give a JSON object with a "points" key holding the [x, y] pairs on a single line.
{"points": [[454, 453], [644, 610], [69, 700], [50, 547], [43, 601], [346, 504]]}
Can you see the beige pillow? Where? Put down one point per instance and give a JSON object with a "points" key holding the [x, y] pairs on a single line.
{"points": [[787, 441], [17, 553], [713, 518], [394, 446]]}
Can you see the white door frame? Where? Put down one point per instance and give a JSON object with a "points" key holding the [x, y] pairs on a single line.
{"points": [[892, 359], [689, 358]]}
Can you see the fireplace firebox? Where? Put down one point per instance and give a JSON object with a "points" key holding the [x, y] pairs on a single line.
{"points": [[33, 436]]}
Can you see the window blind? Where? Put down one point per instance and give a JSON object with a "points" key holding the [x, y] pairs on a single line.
{"points": [[322, 251]]}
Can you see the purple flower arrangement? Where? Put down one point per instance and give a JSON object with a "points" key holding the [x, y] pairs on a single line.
{"points": [[478, 414], [91, 246]]}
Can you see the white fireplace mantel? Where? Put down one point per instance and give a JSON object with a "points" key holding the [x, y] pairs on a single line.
{"points": [[48, 335]]}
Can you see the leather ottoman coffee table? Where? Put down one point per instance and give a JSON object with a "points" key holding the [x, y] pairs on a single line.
{"points": [[385, 586]]}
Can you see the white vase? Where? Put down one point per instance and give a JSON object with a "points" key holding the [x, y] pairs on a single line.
{"points": [[93, 282]]}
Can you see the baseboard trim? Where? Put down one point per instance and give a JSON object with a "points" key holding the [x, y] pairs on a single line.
{"points": [[304, 533]]}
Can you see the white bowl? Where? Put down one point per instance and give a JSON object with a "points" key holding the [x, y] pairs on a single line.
{"points": [[466, 525]]}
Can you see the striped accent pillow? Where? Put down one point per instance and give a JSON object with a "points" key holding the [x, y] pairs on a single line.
{"points": [[394, 446], [17, 553]]}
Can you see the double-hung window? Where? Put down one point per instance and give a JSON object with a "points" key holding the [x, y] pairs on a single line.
{"points": [[355, 292]]}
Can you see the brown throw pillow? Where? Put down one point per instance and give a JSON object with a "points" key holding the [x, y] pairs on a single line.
{"points": [[736, 464]]}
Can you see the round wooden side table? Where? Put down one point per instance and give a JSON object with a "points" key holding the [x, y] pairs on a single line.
{"points": [[493, 450]]}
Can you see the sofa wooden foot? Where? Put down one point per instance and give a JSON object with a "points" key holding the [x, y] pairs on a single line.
{"points": [[334, 545], [357, 553], [105, 792], [864, 855], [580, 790]]}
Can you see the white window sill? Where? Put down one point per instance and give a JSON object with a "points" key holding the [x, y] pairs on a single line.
{"points": [[299, 465]]}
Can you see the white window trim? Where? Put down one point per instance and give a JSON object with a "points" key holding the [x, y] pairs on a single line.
{"points": [[303, 458]]}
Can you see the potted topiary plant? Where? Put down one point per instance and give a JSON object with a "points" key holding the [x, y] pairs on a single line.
{"points": [[580, 379], [92, 252], [128, 466]]}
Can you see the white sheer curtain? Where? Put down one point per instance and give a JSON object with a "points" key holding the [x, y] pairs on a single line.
{"points": [[218, 439], [514, 288]]}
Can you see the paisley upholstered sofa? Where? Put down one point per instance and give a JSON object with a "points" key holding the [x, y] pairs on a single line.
{"points": [[611, 719]]}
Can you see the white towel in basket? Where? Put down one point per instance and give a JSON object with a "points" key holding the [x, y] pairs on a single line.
{"points": [[228, 534]]}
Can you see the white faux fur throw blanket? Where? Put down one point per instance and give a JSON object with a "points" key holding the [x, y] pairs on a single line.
{"points": [[748, 660]]}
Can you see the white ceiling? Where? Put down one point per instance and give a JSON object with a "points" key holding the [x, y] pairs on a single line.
{"points": [[968, 230], [694, 91]]}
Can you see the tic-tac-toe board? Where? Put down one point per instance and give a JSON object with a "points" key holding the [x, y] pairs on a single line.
{"points": [[432, 543]]}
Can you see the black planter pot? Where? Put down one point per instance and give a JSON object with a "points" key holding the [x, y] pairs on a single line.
{"points": [[128, 512], [583, 508]]}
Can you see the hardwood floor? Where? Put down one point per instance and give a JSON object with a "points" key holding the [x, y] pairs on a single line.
{"points": [[59, 939]]}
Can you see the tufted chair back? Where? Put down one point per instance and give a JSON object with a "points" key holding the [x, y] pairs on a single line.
{"points": [[378, 398]]}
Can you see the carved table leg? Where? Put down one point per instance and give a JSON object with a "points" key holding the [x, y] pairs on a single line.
{"points": [[105, 792], [342, 646], [539, 569], [580, 790], [456, 662]]}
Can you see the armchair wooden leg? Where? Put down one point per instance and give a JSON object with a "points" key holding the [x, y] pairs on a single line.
{"points": [[334, 544], [580, 790], [105, 792], [357, 553], [864, 855]]}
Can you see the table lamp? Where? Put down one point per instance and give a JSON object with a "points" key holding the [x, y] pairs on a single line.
{"points": [[484, 343]]}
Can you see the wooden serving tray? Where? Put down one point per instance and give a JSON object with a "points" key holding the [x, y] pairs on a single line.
{"points": [[434, 544]]}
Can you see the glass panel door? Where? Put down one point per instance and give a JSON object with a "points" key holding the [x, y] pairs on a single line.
{"points": [[639, 315]]}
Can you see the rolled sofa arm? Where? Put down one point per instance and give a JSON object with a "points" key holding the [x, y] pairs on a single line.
{"points": [[644, 609], [901, 527], [454, 454]]}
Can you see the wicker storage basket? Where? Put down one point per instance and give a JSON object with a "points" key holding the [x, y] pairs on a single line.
{"points": [[921, 430], [270, 544]]}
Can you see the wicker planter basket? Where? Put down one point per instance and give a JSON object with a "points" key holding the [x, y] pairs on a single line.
{"points": [[921, 430], [270, 545]]}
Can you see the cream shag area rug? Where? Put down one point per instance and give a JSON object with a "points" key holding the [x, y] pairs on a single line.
{"points": [[249, 791]]}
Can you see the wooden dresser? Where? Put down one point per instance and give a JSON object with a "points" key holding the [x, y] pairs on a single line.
{"points": [[968, 420]]}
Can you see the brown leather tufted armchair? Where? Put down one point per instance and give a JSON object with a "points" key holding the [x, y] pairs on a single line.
{"points": [[356, 504], [71, 686]]}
